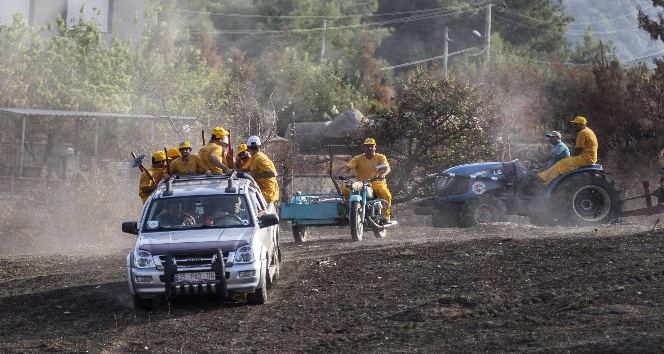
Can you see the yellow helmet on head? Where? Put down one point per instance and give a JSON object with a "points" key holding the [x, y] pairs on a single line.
{"points": [[369, 141], [219, 132], [580, 120], [159, 156], [174, 153], [184, 145], [242, 148]]}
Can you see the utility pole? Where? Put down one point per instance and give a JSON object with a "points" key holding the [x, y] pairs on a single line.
{"points": [[322, 41], [487, 29], [445, 51]]}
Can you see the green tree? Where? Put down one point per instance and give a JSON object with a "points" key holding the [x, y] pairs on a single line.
{"points": [[536, 27], [435, 124], [654, 27]]}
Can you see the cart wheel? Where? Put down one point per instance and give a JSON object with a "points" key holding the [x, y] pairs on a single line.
{"points": [[300, 233]]}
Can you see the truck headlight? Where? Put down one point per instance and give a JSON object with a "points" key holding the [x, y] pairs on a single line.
{"points": [[143, 259], [244, 254]]}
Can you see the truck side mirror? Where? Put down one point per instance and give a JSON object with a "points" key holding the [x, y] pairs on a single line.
{"points": [[130, 227], [268, 220]]}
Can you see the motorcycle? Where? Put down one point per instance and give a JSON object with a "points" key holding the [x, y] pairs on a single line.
{"points": [[364, 209]]}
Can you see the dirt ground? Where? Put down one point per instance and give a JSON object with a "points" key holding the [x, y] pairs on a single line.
{"points": [[502, 288]]}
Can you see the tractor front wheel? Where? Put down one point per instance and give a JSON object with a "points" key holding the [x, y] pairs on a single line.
{"points": [[482, 209]]}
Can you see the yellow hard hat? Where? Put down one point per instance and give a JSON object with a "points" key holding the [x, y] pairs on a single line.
{"points": [[184, 145], [242, 148], [173, 153], [219, 132], [159, 156], [580, 120], [369, 141]]}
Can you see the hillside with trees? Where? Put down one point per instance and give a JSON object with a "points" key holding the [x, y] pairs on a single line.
{"points": [[256, 66], [614, 22]]}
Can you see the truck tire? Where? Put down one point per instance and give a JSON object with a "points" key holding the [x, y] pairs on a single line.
{"points": [[482, 209], [446, 216], [356, 222], [259, 296], [299, 233], [274, 269], [586, 198]]}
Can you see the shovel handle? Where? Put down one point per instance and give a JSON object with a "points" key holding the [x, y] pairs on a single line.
{"points": [[143, 169], [168, 163]]}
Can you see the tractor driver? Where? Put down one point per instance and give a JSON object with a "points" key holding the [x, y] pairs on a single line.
{"points": [[365, 168], [585, 152], [559, 150]]}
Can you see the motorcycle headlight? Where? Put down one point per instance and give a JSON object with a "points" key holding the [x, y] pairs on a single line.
{"points": [[244, 254], [356, 186], [143, 259]]}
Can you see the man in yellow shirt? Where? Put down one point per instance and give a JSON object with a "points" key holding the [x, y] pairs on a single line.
{"points": [[262, 170], [213, 153], [146, 186], [585, 152], [188, 163], [365, 168], [243, 159]]}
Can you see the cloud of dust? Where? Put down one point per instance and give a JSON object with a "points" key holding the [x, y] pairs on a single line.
{"points": [[81, 215]]}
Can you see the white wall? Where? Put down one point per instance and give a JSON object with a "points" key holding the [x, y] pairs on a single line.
{"points": [[10, 7], [94, 9]]}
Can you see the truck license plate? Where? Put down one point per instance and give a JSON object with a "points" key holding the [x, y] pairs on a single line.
{"points": [[194, 277]]}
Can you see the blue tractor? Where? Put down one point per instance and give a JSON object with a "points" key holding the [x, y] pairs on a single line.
{"points": [[467, 195]]}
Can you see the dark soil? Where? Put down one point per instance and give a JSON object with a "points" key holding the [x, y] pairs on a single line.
{"points": [[493, 289]]}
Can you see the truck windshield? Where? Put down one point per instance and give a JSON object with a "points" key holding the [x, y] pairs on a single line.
{"points": [[218, 211]]}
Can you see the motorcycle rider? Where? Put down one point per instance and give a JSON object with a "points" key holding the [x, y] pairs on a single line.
{"points": [[365, 166]]}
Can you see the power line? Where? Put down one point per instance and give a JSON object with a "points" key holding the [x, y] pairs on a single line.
{"points": [[575, 23], [431, 10], [430, 59], [318, 29]]}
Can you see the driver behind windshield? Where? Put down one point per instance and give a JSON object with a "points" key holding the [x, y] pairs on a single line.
{"points": [[229, 209], [175, 216]]}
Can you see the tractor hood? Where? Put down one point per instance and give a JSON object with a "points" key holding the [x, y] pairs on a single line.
{"points": [[485, 169], [228, 240]]}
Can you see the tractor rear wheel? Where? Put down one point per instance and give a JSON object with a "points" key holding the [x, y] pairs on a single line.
{"points": [[482, 209], [587, 198]]}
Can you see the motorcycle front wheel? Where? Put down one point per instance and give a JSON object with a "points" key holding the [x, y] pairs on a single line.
{"points": [[356, 222]]}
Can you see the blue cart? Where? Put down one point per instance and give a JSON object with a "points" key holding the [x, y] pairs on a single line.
{"points": [[304, 210]]}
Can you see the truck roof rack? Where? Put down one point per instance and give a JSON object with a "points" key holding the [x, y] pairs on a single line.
{"points": [[231, 188]]}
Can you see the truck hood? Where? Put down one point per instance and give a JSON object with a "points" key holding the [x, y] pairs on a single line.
{"points": [[228, 240]]}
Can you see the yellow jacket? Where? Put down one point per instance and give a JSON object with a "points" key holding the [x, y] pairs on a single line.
{"points": [[145, 181]]}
